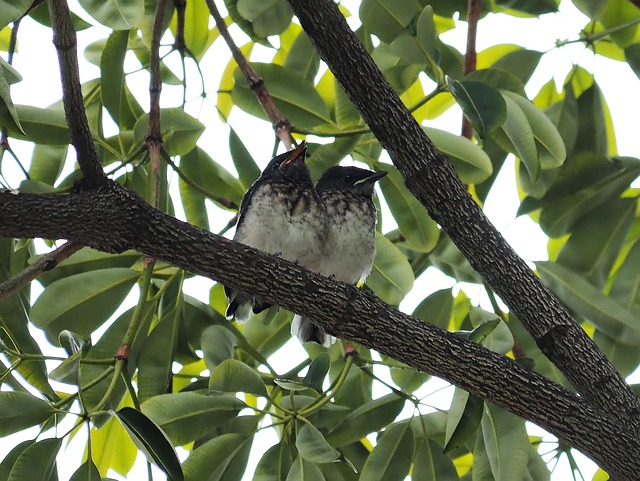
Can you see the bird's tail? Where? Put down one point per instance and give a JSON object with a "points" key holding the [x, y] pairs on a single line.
{"points": [[242, 304], [307, 331]]}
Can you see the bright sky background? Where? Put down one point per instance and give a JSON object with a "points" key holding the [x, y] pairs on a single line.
{"points": [[37, 62]]}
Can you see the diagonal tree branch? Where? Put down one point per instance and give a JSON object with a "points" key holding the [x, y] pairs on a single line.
{"points": [[280, 123], [65, 40], [112, 219], [430, 177]]}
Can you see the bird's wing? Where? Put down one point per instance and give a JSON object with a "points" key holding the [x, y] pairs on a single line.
{"points": [[246, 201]]}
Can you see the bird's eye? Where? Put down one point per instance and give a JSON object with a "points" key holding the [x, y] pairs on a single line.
{"points": [[347, 179]]}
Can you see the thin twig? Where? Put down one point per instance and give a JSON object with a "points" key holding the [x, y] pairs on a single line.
{"points": [[66, 43], [473, 15], [45, 263], [280, 123]]}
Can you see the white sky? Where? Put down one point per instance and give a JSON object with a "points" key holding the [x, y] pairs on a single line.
{"points": [[37, 62]]}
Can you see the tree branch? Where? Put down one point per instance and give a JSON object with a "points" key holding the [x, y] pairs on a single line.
{"points": [[473, 15], [113, 219], [65, 41], [280, 123], [430, 177]]}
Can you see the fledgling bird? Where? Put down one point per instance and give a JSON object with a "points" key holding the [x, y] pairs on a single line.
{"points": [[281, 214], [347, 194]]}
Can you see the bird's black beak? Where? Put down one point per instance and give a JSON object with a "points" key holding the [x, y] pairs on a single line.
{"points": [[374, 177], [297, 154]]}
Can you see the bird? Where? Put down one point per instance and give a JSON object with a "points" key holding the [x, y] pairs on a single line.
{"points": [[347, 195], [280, 214]]}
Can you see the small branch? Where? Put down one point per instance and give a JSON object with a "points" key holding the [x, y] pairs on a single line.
{"points": [[45, 263], [65, 41], [280, 123], [473, 15], [179, 43]]}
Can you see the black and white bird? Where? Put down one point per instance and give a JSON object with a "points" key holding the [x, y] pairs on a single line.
{"points": [[280, 214], [347, 195]]}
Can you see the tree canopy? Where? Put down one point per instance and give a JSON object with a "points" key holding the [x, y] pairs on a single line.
{"points": [[172, 378]]}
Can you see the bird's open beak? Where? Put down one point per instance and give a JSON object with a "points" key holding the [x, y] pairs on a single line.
{"points": [[299, 153], [374, 177]]}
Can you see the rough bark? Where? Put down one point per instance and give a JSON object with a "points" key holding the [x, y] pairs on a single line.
{"points": [[112, 219], [431, 178]]}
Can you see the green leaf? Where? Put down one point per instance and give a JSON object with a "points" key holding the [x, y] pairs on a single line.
{"points": [[151, 441], [617, 14], [417, 45], [583, 298], [87, 472], [463, 419], [391, 459], [76, 347], [267, 17], [406, 378], [235, 376], [179, 130], [561, 215], [9, 116], [632, 56], [564, 115], [38, 461], [313, 447], [83, 302], [516, 136], [157, 356], [218, 344], [10, 459], [317, 371], [248, 170], [436, 308], [594, 9], [492, 331], [626, 285], [521, 63], [507, 443], [275, 463], [47, 162], [303, 470], [472, 164], [391, 278], [112, 79], [21, 410], [388, 18], [115, 14], [369, 417], [221, 458], [551, 150], [597, 239], [482, 104], [41, 126], [12, 10], [537, 466], [196, 28], [298, 100], [185, 416], [41, 15], [430, 464], [210, 175], [303, 57], [413, 220], [499, 79], [592, 133]]}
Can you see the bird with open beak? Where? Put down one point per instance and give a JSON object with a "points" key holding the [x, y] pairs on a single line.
{"points": [[280, 214]]}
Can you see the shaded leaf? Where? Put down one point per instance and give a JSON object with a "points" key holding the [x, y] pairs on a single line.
{"points": [[115, 14], [21, 410], [151, 441], [507, 443], [303, 470], [221, 458], [313, 447], [235, 376], [270, 17], [275, 463], [88, 471], [248, 170], [391, 459], [317, 371], [392, 277], [37, 461], [482, 104], [463, 418], [430, 464], [179, 130], [436, 308], [387, 18]]}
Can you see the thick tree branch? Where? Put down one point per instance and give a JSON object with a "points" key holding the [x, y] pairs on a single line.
{"points": [[113, 219], [280, 123], [430, 177], [65, 40]]}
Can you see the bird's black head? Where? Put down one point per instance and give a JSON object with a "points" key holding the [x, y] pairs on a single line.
{"points": [[353, 179], [289, 166]]}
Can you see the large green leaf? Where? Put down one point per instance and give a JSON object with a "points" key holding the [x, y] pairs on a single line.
{"points": [[197, 36], [482, 104], [21, 410], [417, 45], [580, 296], [369, 417], [564, 115], [267, 17], [11, 10], [303, 470], [506, 442], [38, 461], [436, 308], [626, 285], [387, 18], [87, 471], [413, 220], [8, 116], [596, 240], [151, 441], [391, 459], [632, 55], [275, 463], [186, 416], [463, 418], [42, 126], [313, 446], [221, 458], [248, 170], [592, 132], [83, 302], [594, 9], [392, 277], [112, 79], [296, 98], [47, 162], [430, 464], [234, 376], [115, 14], [179, 130], [303, 57], [472, 164], [520, 62]]}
